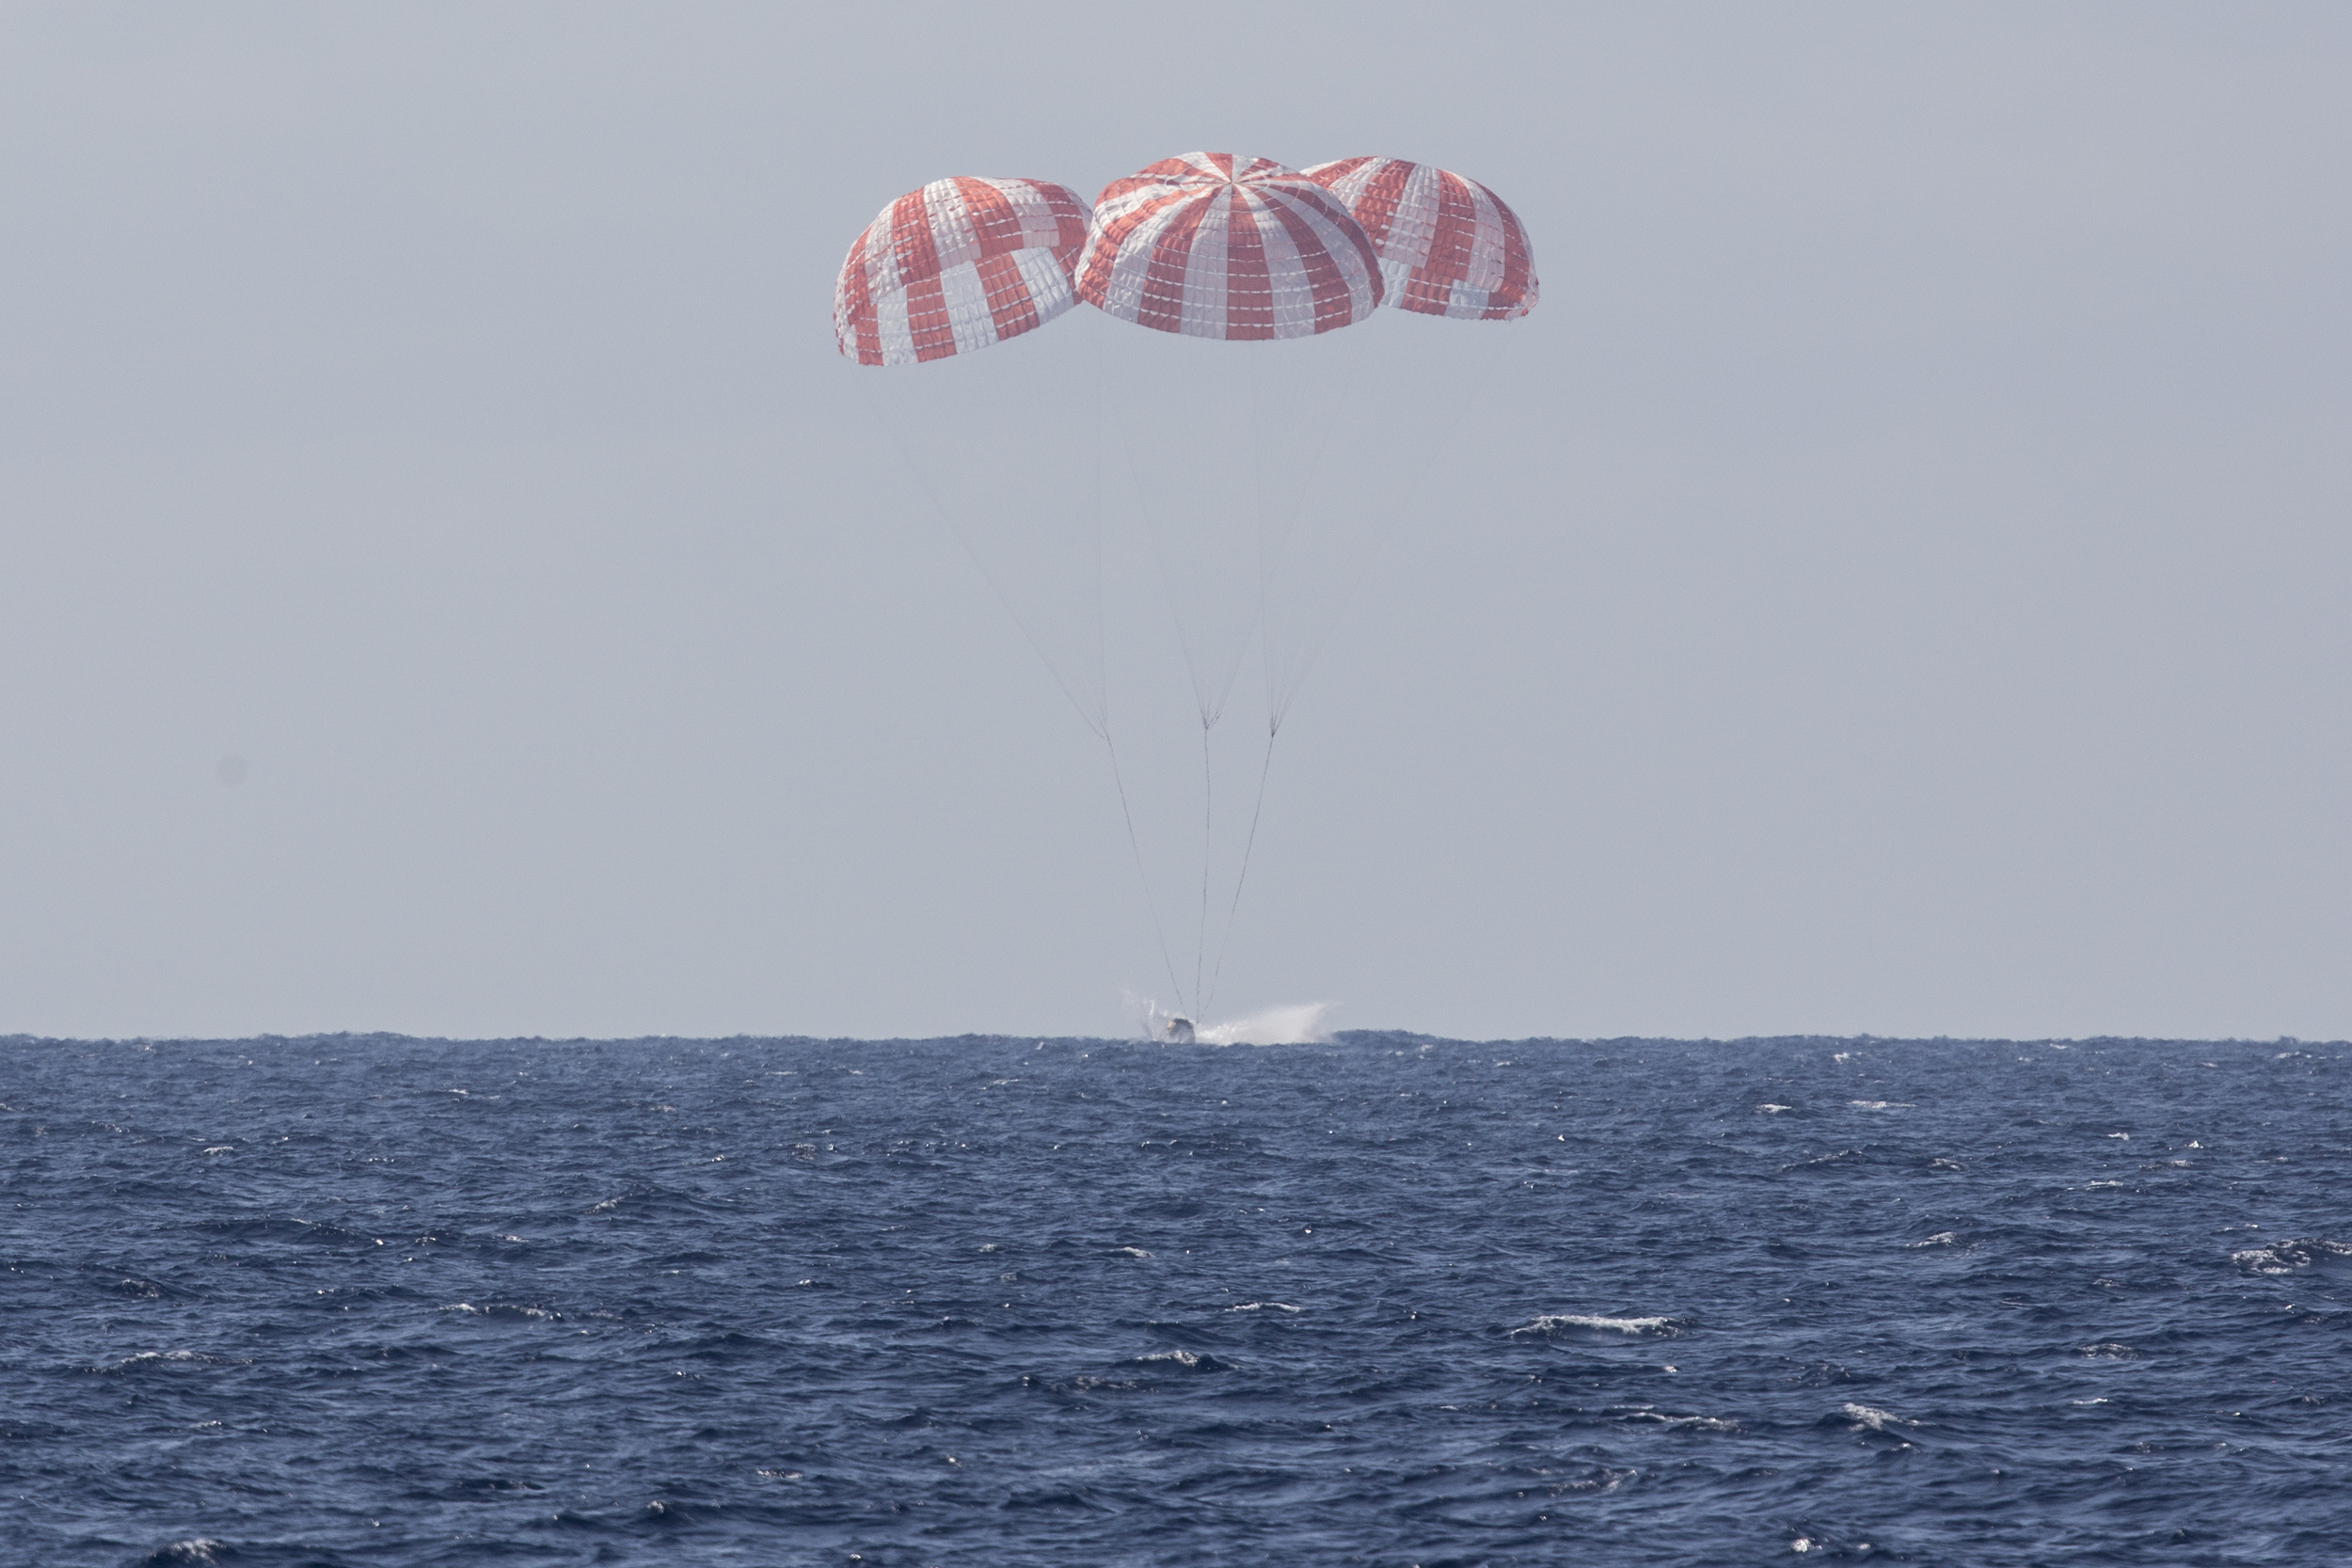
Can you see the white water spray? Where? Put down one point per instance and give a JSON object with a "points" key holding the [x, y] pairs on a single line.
{"points": [[1286, 1023]]}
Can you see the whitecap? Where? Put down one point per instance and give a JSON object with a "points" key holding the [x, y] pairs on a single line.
{"points": [[1129, 1252], [2287, 1257], [1881, 1104], [1682, 1423], [1771, 1110], [148, 1357], [1871, 1417], [2110, 1350], [1264, 1307], [1551, 1323], [1942, 1238]]}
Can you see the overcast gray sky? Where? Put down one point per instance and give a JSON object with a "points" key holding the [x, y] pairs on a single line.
{"points": [[1900, 587]]}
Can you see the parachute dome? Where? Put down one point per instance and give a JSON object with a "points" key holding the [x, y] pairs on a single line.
{"points": [[1448, 246], [1210, 245], [962, 263]]}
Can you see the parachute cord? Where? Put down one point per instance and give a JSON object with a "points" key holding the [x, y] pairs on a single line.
{"points": [[1201, 941], [1141, 875], [877, 402], [1243, 881], [1278, 693]]}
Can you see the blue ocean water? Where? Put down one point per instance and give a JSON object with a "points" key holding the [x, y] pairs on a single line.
{"points": [[1390, 1300]]}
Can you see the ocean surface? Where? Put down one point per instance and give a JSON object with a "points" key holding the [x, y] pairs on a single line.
{"points": [[1388, 1299]]}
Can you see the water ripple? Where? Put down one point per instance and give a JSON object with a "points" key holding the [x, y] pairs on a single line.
{"points": [[907, 1304]]}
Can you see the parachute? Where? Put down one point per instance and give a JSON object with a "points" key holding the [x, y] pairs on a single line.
{"points": [[963, 264], [957, 266], [1262, 451], [1212, 245], [1448, 246]]}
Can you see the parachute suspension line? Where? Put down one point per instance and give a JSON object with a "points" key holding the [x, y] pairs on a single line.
{"points": [[1141, 875], [1126, 813], [877, 405], [1239, 882], [1280, 689], [1201, 941]]}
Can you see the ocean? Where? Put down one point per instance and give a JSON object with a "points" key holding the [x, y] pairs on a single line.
{"points": [[1388, 1299]]}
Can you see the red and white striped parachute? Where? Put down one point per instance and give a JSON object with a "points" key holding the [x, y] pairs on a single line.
{"points": [[1448, 246], [958, 265], [1210, 245]]}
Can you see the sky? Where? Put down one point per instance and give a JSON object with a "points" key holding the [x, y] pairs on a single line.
{"points": [[1894, 583]]}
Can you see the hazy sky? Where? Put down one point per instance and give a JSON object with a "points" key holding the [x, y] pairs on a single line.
{"points": [[1898, 582]]}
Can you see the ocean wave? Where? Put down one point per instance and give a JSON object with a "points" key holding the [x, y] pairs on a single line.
{"points": [[2288, 1256], [1190, 1360], [154, 1358], [1677, 1423], [1557, 1323], [1139, 1376], [1867, 1417], [791, 1349], [196, 1549], [511, 1310]]}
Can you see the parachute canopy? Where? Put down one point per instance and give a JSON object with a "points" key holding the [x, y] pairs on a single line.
{"points": [[1210, 245], [1448, 246], [962, 263]]}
